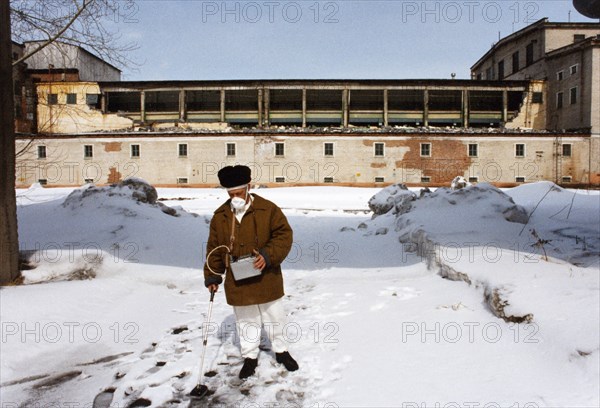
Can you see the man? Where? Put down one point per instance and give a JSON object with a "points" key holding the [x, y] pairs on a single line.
{"points": [[247, 224]]}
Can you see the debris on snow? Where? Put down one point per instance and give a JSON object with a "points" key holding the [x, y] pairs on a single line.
{"points": [[397, 197], [459, 182]]}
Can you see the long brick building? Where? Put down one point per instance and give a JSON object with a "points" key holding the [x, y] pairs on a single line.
{"points": [[505, 126]]}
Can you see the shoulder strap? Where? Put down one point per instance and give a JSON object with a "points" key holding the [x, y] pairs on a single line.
{"points": [[232, 237]]}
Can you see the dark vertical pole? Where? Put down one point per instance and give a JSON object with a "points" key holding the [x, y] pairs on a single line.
{"points": [[9, 244]]}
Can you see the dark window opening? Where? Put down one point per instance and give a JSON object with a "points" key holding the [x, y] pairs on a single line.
{"points": [[485, 101], [405, 100], [537, 97], [135, 150], [285, 99], [52, 99], [167, 101], [573, 69], [425, 149], [93, 101], [203, 100], [501, 70], [515, 100], [445, 100], [515, 62], [71, 99], [362, 99], [88, 151], [279, 149], [182, 150], [529, 54], [573, 96], [473, 150], [324, 99], [41, 150], [230, 149], [520, 150], [578, 37], [328, 149], [123, 102], [559, 100], [241, 100], [379, 149], [566, 150]]}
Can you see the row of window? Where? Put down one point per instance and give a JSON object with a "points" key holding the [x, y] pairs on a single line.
{"points": [[328, 150], [424, 179], [71, 99], [529, 60], [573, 96], [560, 75]]}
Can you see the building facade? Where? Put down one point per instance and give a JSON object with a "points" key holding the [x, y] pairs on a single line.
{"points": [[494, 128], [564, 55]]}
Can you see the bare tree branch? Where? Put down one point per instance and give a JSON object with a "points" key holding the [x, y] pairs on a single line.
{"points": [[55, 36], [85, 23]]}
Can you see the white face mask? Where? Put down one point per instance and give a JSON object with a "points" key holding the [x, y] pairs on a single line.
{"points": [[237, 203]]}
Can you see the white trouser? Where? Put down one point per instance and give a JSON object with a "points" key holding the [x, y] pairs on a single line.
{"points": [[250, 320]]}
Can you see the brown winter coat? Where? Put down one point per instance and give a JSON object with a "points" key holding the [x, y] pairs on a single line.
{"points": [[263, 222]]}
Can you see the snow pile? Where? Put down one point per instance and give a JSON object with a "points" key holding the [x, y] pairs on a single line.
{"points": [[447, 214], [395, 197], [131, 189], [117, 225], [478, 234]]}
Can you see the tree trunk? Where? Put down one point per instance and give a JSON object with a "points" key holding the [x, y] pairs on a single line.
{"points": [[9, 243]]}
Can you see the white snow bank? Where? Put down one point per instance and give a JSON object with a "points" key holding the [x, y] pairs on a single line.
{"points": [[124, 222], [498, 244]]}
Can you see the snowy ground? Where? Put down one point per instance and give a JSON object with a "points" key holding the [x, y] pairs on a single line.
{"points": [[370, 324]]}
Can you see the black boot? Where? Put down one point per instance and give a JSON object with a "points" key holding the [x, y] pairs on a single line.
{"points": [[248, 368], [288, 361]]}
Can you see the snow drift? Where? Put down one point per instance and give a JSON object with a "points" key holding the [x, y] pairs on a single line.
{"points": [[120, 223]]}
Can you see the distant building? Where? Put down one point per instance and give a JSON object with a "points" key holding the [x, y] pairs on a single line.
{"points": [[62, 58], [566, 56], [498, 128]]}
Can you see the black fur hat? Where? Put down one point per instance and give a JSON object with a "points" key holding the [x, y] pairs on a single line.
{"points": [[234, 176]]}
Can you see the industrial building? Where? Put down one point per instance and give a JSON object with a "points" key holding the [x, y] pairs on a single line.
{"points": [[501, 127]]}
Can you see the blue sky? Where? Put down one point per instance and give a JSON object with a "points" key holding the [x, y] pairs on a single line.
{"points": [[306, 39]]}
